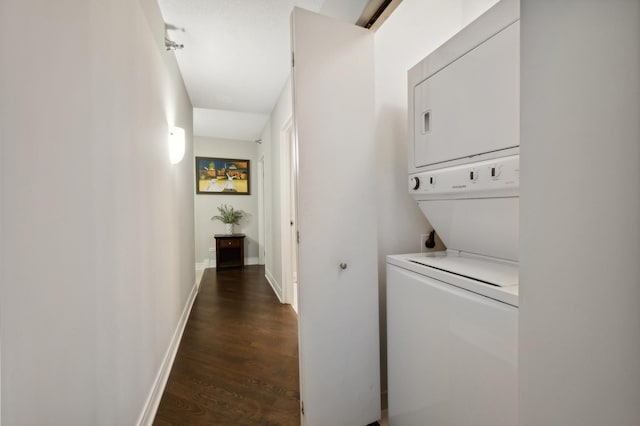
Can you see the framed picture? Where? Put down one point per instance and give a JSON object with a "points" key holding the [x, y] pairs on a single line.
{"points": [[222, 176]]}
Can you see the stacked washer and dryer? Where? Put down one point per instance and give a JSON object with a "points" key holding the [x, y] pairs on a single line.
{"points": [[452, 316]]}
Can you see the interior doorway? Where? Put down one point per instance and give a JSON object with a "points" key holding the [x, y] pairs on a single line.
{"points": [[289, 216], [261, 214]]}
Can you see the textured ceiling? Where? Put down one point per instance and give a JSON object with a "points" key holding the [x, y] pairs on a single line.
{"points": [[236, 54]]}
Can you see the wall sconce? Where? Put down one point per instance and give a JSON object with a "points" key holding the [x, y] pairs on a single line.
{"points": [[176, 144]]}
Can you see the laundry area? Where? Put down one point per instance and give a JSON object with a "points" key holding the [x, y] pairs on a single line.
{"points": [[452, 316], [510, 323], [503, 327]]}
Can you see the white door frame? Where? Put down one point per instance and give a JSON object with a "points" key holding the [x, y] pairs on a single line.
{"points": [[261, 211], [286, 228], [293, 214]]}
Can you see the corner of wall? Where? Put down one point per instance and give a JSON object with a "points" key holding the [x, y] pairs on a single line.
{"points": [[275, 285]]}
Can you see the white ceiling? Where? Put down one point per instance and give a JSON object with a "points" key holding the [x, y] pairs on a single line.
{"points": [[236, 57], [223, 124]]}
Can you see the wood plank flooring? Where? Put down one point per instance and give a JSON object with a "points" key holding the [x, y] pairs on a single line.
{"points": [[238, 360]]}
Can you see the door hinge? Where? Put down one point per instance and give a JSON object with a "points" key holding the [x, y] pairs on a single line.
{"points": [[293, 62], [298, 237], [302, 407]]}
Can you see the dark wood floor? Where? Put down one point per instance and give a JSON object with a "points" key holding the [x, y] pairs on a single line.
{"points": [[238, 360]]}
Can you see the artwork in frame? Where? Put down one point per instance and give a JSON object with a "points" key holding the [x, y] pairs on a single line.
{"points": [[222, 176]]}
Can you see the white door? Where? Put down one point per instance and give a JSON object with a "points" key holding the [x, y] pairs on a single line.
{"points": [[289, 219], [338, 317], [261, 210], [293, 225]]}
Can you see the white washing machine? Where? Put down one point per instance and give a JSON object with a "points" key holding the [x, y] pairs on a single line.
{"points": [[452, 316], [452, 343]]}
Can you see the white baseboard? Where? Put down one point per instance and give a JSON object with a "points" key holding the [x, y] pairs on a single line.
{"points": [[211, 263], [199, 274], [274, 285], [201, 266], [153, 400]]}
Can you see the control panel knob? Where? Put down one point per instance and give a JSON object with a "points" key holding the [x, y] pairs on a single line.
{"points": [[473, 175], [414, 182]]}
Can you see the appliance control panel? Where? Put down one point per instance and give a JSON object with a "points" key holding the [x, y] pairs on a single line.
{"points": [[497, 177]]}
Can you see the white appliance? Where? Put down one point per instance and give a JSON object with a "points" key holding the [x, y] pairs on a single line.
{"points": [[452, 316]]}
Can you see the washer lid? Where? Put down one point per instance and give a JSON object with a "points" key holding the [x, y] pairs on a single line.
{"points": [[480, 268]]}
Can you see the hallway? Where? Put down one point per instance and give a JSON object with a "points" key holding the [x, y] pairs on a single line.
{"points": [[238, 360]]}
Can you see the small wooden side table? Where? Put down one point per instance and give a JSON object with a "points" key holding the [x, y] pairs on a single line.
{"points": [[229, 251]]}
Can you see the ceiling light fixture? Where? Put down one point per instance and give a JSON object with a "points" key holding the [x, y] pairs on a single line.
{"points": [[172, 45], [168, 43]]}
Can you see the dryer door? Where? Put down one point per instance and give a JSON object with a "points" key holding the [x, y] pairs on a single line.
{"points": [[471, 106]]}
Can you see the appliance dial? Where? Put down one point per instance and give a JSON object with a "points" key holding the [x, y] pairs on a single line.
{"points": [[414, 182]]}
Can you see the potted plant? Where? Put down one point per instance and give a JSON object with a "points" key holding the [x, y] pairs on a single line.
{"points": [[229, 216]]}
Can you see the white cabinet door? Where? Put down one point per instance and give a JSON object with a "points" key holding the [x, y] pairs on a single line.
{"points": [[333, 110]]}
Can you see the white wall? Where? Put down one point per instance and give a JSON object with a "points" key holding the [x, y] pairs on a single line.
{"points": [[580, 213], [97, 226], [206, 204], [275, 171], [413, 30]]}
